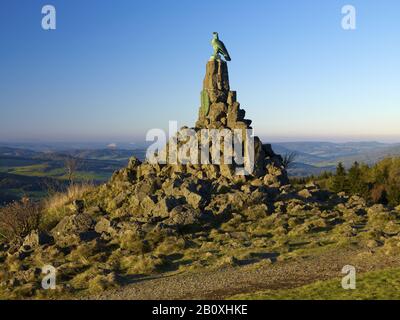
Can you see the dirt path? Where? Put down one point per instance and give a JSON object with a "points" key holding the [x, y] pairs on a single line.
{"points": [[224, 283]]}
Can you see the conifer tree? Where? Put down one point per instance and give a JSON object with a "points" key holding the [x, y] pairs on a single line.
{"points": [[356, 183], [340, 179]]}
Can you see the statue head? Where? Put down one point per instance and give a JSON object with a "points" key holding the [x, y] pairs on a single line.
{"points": [[215, 34]]}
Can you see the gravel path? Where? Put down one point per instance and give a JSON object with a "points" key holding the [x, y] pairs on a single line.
{"points": [[226, 282]]}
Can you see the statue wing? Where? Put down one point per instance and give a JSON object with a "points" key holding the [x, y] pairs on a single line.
{"points": [[223, 50]]}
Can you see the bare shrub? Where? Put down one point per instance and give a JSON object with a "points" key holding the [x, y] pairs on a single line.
{"points": [[71, 165], [289, 159], [18, 219]]}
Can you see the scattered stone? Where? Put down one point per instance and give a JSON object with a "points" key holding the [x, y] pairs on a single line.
{"points": [[184, 215], [305, 193], [372, 244], [79, 205], [36, 239], [228, 261], [72, 229], [103, 226]]}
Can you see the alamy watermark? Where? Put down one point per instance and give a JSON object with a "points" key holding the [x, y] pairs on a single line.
{"points": [[49, 280], [202, 147], [349, 280], [349, 20], [49, 20]]}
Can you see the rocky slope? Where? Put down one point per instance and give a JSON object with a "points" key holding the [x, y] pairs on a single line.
{"points": [[153, 218]]}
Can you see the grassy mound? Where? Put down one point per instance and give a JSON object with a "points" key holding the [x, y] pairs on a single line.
{"points": [[376, 285]]}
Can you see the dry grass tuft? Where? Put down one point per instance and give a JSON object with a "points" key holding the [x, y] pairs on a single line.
{"points": [[74, 191], [55, 206]]}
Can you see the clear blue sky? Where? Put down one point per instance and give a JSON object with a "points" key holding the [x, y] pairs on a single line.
{"points": [[115, 68]]}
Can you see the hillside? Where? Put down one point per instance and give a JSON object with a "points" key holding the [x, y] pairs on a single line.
{"points": [[312, 158], [202, 225], [32, 173], [316, 157], [106, 154], [13, 187]]}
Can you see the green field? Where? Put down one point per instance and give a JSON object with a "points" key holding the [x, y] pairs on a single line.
{"points": [[33, 177], [376, 285]]}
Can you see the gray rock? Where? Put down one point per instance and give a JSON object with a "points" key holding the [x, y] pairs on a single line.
{"points": [[134, 163], [305, 193], [103, 226], [36, 239], [184, 215], [79, 205], [72, 229]]}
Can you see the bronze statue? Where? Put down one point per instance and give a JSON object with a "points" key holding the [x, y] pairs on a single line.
{"points": [[219, 48]]}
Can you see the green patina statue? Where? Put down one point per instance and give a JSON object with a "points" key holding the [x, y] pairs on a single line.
{"points": [[219, 48], [205, 103]]}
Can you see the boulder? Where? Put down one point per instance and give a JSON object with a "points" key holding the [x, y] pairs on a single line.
{"points": [[104, 226], [34, 240], [305, 193], [165, 205], [134, 163], [79, 205], [184, 215], [73, 229], [194, 199]]}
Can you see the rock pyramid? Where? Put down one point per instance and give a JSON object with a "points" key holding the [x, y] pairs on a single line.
{"points": [[219, 110]]}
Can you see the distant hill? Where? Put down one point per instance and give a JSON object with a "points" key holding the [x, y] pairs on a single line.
{"points": [[312, 158], [16, 152], [13, 187], [320, 156], [93, 165], [31, 173], [301, 156], [302, 170], [107, 154], [320, 151], [372, 156]]}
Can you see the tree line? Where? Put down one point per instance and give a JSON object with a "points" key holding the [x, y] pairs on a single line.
{"points": [[379, 183]]}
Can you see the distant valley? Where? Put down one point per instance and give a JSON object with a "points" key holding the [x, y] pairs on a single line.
{"points": [[316, 157], [30, 169], [26, 172]]}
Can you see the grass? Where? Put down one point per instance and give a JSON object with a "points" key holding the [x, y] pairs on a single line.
{"points": [[8, 164], [252, 236], [30, 194], [375, 285], [55, 206], [45, 170], [95, 171], [74, 191]]}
